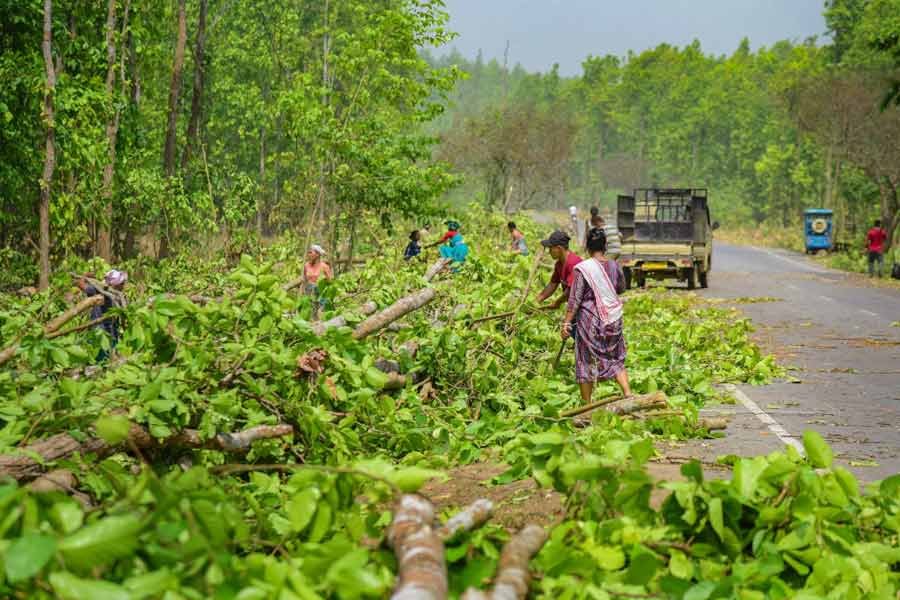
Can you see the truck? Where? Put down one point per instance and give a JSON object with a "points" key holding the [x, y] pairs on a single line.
{"points": [[666, 234]]}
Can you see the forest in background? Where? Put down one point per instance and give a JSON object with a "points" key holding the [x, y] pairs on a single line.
{"points": [[132, 129], [771, 131]]}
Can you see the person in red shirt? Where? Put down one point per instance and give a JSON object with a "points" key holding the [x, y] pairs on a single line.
{"points": [[564, 271], [875, 240]]}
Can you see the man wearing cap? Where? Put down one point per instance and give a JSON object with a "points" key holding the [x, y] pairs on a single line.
{"points": [[115, 280], [564, 271]]}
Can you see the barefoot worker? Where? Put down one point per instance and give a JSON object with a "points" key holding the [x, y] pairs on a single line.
{"points": [[518, 244], [115, 280], [564, 271], [594, 319]]}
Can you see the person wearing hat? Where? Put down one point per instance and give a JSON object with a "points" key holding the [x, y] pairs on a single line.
{"points": [[456, 248], [315, 269], [564, 270], [115, 280]]}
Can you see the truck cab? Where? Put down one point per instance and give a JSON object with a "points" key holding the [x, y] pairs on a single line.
{"points": [[666, 234]]}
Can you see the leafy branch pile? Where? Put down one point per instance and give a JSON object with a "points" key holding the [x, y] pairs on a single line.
{"points": [[302, 514]]}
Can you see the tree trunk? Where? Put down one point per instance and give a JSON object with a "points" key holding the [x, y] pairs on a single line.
{"points": [[890, 210], [421, 569], [260, 202], [193, 131], [104, 238], [171, 127], [398, 309], [174, 91], [50, 148]]}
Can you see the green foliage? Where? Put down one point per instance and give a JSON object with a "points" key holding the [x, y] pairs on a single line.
{"points": [[305, 527]]}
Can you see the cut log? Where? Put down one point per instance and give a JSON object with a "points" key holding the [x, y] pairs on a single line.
{"points": [[395, 381], [626, 406], [714, 423], [513, 575], [421, 570], [436, 267], [622, 406], [469, 518], [28, 463], [398, 309], [340, 321]]}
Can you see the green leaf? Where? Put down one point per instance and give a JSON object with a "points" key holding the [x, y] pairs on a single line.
{"points": [[716, 518], [151, 585], [817, 450], [302, 507], [701, 591], [608, 558], [376, 378], [410, 479], [680, 565], [693, 470], [642, 569], [113, 429], [27, 555], [101, 542], [67, 516], [70, 587], [322, 522]]}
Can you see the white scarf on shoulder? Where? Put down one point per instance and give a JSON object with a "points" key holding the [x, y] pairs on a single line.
{"points": [[607, 303]]}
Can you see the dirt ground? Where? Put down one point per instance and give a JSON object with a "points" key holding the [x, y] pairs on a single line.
{"points": [[519, 503]]}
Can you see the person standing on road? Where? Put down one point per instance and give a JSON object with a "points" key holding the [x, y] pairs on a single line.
{"points": [[576, 230], [564, 271], [594, 319], [875, 240]]}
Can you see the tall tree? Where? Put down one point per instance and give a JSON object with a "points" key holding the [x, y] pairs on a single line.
{"points": [[193, 130], [172, 122], [49, 147]]}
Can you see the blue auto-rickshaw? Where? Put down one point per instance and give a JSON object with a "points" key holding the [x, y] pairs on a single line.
{"points": [[818, 229]]}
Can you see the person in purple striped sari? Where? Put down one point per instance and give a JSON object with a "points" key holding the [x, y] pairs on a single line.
{"points": [[594, 319]]}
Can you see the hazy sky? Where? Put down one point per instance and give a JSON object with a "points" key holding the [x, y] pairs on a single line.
{"points": [[542, 32]]}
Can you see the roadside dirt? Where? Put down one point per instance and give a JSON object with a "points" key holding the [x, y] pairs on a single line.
{"points": [[522, 502]]}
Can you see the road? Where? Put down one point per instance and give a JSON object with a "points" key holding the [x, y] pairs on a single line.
{"points": [[833, 331]]}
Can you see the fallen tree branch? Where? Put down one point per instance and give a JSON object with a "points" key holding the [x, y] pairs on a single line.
{"points": [[471, 517], [572, 412], [30, 460], [55, 324], [513, 575], [421, 569], [633, 404], [508, 314], [81, 327], [398, 309], [436, 267], [340, 321]]}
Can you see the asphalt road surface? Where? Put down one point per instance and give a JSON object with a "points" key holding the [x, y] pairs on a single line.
{"points": [[833, 331]]}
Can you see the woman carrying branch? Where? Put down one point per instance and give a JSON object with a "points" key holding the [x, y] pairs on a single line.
{"points": [[594, 319], [315, 269]]}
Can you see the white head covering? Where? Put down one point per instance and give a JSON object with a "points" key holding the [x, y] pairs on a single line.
{"points": [[318, 249], [115, 278]]}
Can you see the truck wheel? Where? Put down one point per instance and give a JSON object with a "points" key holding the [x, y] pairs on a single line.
{"points": [[692, 278], [627, 273], [704, 279]]}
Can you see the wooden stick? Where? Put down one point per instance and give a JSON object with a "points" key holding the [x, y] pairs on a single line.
{"points": [[508, 314], [398, 309], [587, 407], [78, 328], [626, 406], [421, 569], [534, 266]]}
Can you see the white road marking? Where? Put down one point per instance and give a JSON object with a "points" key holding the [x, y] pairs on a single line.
{"points": [[765, 417], [797, 263], [827, 299], [868, 312], [791, 286]]}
